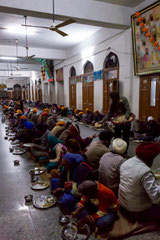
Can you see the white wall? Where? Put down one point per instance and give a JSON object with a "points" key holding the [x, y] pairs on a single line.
{"points": [[119, 42]]}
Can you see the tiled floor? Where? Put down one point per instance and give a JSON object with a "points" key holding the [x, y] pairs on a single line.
{"points": [[21, 222]]}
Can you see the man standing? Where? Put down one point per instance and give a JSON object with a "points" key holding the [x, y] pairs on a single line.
{"points": [[119, 107]]}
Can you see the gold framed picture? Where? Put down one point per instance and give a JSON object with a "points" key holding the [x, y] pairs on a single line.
{"points": [[146, 40]]}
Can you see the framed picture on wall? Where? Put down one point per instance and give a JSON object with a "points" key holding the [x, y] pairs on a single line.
{"points": [[146, 40]]}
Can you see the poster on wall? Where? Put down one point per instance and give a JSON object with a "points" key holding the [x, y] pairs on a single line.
{"points": [[59, 75], [98, 75], [146, 40]]}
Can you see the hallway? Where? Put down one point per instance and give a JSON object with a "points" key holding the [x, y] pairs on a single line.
{"points": [[19, 221]]}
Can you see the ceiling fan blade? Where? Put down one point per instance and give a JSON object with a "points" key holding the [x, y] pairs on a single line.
{"points": [[60, 32], [32, 56], [2, 28], [69, 21], [34, 26]]}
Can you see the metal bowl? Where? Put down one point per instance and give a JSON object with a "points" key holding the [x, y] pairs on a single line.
{"points": [[83, 232], [11, 149], [64, 219], [16, 162], [71, 232], [28, 198]]}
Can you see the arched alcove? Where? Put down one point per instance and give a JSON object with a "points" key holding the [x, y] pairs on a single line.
{"points": [[110, 78], [111, 61], [88, 67], [72, 72], [88, 86]]}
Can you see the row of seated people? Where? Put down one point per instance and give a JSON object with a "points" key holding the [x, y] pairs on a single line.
{"points": [[147, 129], [91, 181]]}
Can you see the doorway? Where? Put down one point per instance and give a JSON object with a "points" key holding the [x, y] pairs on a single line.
{"points": [[17, 91], [149, 104], [60, 93], [110, 79], [88, 87], [72, 88]]}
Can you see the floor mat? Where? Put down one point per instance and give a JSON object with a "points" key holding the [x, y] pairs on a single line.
{"points": [[125, 228]]}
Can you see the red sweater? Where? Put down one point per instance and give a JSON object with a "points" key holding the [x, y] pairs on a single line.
{"points": [[105, 200]]}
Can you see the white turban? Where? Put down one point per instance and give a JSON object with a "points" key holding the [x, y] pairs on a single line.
{"points": [[150, 118], [119, 145]]}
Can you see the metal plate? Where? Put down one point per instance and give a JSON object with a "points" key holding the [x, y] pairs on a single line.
{"points": [[40, 185], [18, 151], [44, 202], [15, 142], [11, 134], [39, 170], [28, 145]]}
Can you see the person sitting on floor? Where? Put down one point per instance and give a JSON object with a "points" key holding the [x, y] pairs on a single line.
{"points": [[41, 149], [152, 130], [34, 116], [97, 116], [59, 126], [139, 194], [39, 120], [109, 165], [26, 134], [31, 113], [98, 206], [51, 121], [97, 149], [79, 116], [64, 134], [74, 133], [88, 117]]}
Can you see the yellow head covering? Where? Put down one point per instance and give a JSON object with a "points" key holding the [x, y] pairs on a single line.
{"points": [[75, 110], [5, 106], [59, 107], [87, 109], [35, 110], [60, 123], [81, 113], [23, 117], [46, 110], [62, 108], [19, 111]]}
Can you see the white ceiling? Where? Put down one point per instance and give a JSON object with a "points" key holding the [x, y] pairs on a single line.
{"points": [[43, 38], [127, 3]]}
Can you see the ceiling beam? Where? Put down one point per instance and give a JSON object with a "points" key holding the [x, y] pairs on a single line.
{"points": [[9, 51], [85, 11]]}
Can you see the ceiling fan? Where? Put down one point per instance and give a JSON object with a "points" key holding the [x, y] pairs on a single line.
{"points": [[18, 67], [54, 27], [26, 46], [10, 71]]}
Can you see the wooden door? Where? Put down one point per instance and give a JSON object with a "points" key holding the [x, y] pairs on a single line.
{"points": [[29, 94], [24, 94], [40, 95], [32, 94], [72, 92], [149, 104], [110, 83], [36, 94], [88, 90]]}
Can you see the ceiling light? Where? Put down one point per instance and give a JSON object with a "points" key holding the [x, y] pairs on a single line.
{"points": [[8, 58], [21, 30]]}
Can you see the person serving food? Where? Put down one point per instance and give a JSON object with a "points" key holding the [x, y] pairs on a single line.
{"points": [[119, 111]]}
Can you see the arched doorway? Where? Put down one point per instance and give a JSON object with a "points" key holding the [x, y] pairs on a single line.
{"points": [[17, 91], [72, 88], [110, 78], [87, 80]]}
